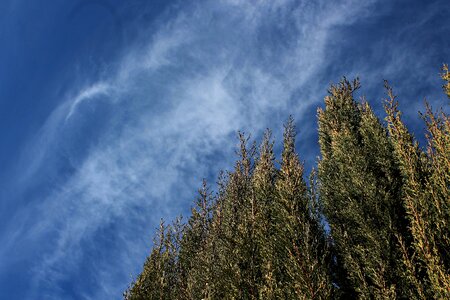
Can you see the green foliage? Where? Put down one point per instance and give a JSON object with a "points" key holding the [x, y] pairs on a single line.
{"points": [[446, 77], [359, 190], [160, 277], [299, 240], [426, 197], [372, 223], [193, 257]]}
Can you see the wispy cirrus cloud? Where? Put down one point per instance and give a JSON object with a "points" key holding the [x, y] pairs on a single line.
{"points": [[133, 145], [99, 88]]}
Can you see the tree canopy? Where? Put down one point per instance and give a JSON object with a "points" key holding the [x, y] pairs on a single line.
{"points": [[373, 222]]}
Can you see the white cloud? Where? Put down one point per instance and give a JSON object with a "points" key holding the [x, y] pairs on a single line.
{"points": [[99, 88]]}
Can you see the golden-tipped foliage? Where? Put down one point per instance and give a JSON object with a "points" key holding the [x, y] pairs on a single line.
{"points": [[426, 198], [446, 77], [359, 190]]}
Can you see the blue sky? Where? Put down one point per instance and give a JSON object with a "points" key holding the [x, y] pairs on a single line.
{"points": [[113, 111]]}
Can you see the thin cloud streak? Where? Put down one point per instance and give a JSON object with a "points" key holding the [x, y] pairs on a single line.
{"points": [[99, 88]]}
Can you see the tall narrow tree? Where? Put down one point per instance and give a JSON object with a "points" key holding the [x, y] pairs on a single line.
{"points": [[300, 242], [160, 277], [426, 194], [359, 189], [264, 256], [194, 258]]}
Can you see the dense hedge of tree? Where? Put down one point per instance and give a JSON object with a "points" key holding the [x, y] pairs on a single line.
{"points": [[373, 222]]}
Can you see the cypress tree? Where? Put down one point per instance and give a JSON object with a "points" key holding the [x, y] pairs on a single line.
{"points": [[160, 277], [446, 77], [236, 245], [193, 257], [262, 221], [214, 247], [426, 194], [299, 240], [359, 190]]}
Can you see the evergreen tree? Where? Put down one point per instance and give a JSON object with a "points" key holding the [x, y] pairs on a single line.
{"points": [[215, 254], [160, 276], [235, 241], [426, 194], [299, 242], [262, 220], [359, 188], [193, 257], [446, 77]]}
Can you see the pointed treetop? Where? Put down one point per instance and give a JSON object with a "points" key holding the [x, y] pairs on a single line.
{"points": [[446, 77], [265, 169], [289, 138], [341, 93], [246, 155]]}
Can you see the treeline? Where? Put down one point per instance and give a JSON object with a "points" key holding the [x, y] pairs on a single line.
{"points": [[373, 222]]}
